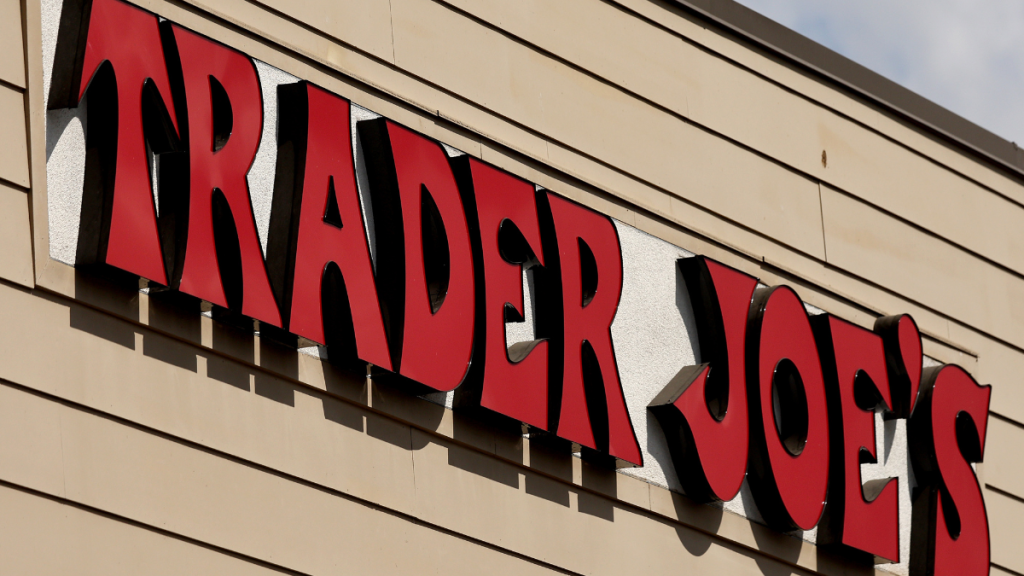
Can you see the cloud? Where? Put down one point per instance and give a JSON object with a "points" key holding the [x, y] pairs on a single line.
{"points": [[965, 55]]}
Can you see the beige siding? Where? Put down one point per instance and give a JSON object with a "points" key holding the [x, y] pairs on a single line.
{"points": [[880, 248], [284, 520], [14, 144], [364, 25], [758, 112], [810, 86], [1006, 522], [30, 454], [12, 47], [15, 237], [601, 122], [1004, 456], [43, 537]]}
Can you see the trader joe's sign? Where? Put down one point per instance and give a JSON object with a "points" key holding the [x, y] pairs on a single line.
{"points": [[783, 400]]}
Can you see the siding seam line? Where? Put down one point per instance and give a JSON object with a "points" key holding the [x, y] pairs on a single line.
{"points": [[283, 475], [149, 527]]}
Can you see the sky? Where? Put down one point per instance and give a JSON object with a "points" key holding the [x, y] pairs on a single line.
{"points": [[966, 55]]}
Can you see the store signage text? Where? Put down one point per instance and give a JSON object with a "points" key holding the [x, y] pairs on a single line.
{"points": [[783, 400]]}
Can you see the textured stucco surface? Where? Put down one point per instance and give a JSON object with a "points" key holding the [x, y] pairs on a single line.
{"points": [[50, 20], [261, 173], [358, 114], [65, 151], [525, 331], [893, 462], [65, 176], [654, 336]]}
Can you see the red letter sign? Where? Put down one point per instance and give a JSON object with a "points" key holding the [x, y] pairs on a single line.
{"points": [[425, 270], [225, 120], [316, 181], [862, 516], [947, 432], [788, 413], [904, 358], [123, 49], [703, 410], [593, 410], [514, 381]]}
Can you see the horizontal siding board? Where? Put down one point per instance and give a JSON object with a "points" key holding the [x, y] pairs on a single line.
{"points": [[810, 85], [365, 25], [12, 46], [1004, 457], [1006, 524], [750, 109], [884, 250], [130, 473], [42, 537], [15, 237], [13, 137], [202, 396], [570, 107], [30, 452], [243, 509]]}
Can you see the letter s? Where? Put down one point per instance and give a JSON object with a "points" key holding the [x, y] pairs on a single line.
{"points": [[946, 433]]}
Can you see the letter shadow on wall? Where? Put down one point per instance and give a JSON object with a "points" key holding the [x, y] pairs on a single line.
{"points": [[393, 432], [553, 459], [233, 343], [502, 438], [339, 381], [275, 389], [392, 395], [101, 325], [708, 519], [847, 561], [170, 351], [777, 562], [780, 545], [114, 292], [343, 413], [279, 358], [176, 314], [603, 480], [227, 371], [483, 465]]}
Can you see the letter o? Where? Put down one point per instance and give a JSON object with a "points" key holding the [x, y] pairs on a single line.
{"points": [[789, 448]]}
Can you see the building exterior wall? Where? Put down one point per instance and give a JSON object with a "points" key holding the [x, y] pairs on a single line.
{"points": [[136, 437]]}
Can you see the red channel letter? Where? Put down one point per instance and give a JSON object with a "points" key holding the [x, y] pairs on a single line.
{"points": [[588, 324], [949, 531], [789, 456], [222, 166], [129, 39], [328, 167], [429, 292], [515, 382], [862, 516], [703, 410], [904, 356]]}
